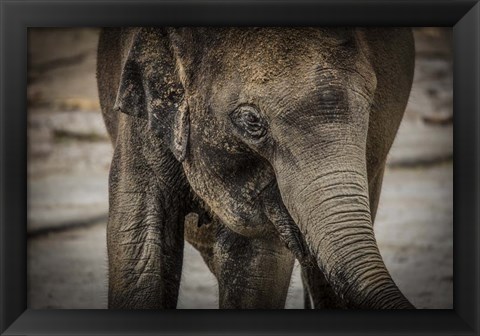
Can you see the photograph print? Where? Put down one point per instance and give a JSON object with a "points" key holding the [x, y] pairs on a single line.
{"points": [[240, 168]]}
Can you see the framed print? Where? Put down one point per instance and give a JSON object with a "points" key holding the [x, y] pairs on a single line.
{"points": [[257, 131]]}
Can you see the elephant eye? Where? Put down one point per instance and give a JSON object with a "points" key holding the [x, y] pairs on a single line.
{"points": [[249, 122]]}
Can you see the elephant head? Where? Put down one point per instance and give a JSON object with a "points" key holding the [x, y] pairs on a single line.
{"points": [[274, 131]]}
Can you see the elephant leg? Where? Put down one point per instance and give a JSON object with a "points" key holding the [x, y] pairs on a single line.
{"points": [[318, 294], [145, 249], [307, 299], [202, 238], [145, 230], [252, 273]]}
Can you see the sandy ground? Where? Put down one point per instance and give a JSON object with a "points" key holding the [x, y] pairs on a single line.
{"points": [[69, 156]]}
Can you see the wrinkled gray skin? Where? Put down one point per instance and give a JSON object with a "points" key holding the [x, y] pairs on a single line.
{"points": [[276, 138]]}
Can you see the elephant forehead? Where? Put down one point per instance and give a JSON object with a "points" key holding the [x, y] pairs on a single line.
{"points": [[262, 55]]}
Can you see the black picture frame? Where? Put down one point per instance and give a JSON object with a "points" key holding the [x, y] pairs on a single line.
{"points": [[17, 15]]}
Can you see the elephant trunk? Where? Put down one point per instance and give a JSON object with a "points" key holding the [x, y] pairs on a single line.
{"points": [[329, 202]]}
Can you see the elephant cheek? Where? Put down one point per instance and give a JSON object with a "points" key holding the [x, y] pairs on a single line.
{"points": [[238, 211]]}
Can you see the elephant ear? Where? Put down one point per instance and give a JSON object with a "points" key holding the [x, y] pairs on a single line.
{"points": [[150, 88]]}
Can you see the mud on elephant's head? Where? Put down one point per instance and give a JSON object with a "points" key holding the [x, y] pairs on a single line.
{"points": [[271, 126]]}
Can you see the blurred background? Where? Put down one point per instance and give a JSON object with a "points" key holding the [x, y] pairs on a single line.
{"points": [[69, 156]]}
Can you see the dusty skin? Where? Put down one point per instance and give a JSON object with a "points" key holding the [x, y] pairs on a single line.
{"points": [[70, 154]]}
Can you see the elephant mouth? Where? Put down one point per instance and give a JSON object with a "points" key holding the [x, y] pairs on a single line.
{"points": [[247, 217], [283, 223]]}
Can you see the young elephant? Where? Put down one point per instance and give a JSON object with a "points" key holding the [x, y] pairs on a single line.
{"points": [[276, 137]]}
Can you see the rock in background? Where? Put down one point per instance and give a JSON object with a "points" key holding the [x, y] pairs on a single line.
{"points": [[426, 134]]}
